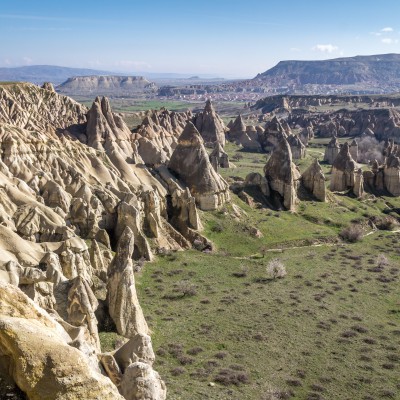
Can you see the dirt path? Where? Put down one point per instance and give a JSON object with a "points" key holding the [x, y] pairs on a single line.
{"points": [[281, 250]]}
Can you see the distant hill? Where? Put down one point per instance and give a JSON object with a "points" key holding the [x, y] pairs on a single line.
{"points": [[106, 85], [378, 70], [46, 73], [51, 73]]}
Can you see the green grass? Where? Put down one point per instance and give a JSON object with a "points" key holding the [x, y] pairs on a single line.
{"points": [[329, 330], [329, 326]]}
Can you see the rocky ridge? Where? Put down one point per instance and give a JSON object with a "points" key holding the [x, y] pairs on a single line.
{"points": [[74, 189]]}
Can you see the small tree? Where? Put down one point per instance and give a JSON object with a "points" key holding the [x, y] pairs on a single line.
{"points": [[276, 269]]}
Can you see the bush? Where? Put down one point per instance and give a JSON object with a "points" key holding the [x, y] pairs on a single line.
{"points": [[276, 269], [218, 228], [230, 377], [352, 233], [382, 261], [386, 223], [185, 288]]}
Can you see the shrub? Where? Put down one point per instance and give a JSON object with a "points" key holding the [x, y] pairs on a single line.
{"points": [[195, 350], [217, 228], [230, 377], [185, 288], [386, 223], [382, 261], [352, 233], [177, 371], [276, 269]]}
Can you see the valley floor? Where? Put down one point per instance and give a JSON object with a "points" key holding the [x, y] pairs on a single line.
{"points": [[330, 329]]}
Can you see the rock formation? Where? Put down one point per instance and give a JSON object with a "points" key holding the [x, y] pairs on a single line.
{"points": [[158, 134], [282, 174], [191, 164], [344, 173], [219, 158], [122, 301], [313, 179], [73, 189], [238, 134], [40, 355], [391, 173], [210, 125], [98, 85], [354, 150], [273, 133], [332, 150], [297, 147]]}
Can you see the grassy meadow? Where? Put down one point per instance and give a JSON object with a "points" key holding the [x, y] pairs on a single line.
{"points": [[224, 328]]}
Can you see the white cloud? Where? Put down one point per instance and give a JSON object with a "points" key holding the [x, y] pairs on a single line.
{"points": [[27, 60], [325, 48], [389, 41], [387, 29]]}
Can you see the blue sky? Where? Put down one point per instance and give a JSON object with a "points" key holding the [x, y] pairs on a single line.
{"points": [[227, 38]]}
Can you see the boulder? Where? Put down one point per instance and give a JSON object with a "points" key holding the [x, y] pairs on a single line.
{"points": [[141, 382], [138, 348], [40, 360]]}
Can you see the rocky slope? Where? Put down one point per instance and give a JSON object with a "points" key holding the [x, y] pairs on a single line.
{"points": [[376, 69], [79, 212], [289, 102]]}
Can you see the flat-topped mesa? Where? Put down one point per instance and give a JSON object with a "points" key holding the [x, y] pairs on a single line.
{"points": [[313, 179], [211, 127], [344, 172], [298, 149], [101, 85], [332, 150], [219, 158], [283, 175], [191, 164], [238, 133]]}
